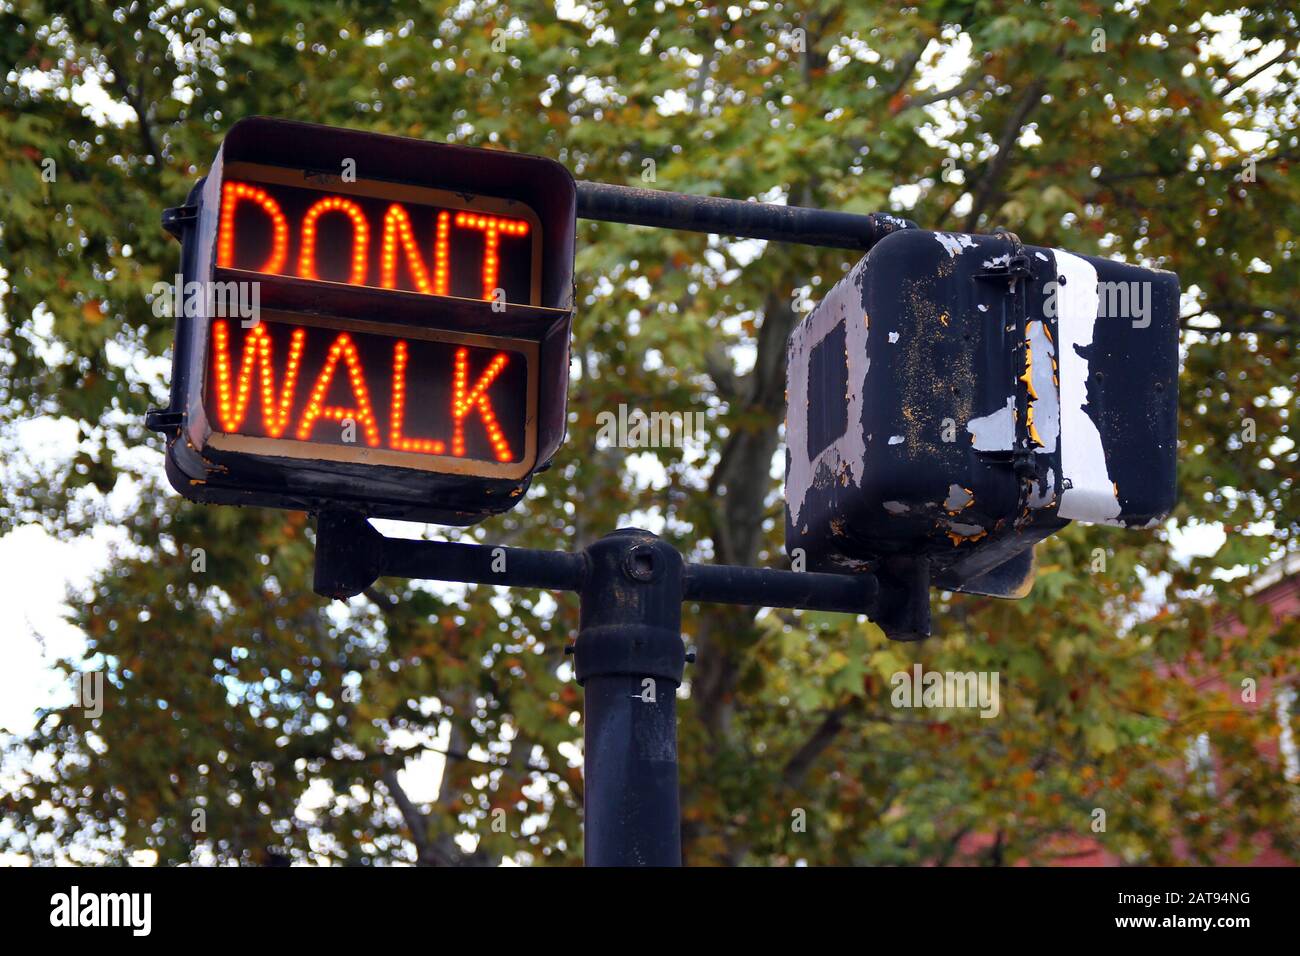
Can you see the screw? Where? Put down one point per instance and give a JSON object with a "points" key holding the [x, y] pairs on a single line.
{"points": [[690, 657]]}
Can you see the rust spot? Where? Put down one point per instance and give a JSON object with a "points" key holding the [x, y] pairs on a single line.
{"points": [[922, 333], [957, 533], [1028, 376]]}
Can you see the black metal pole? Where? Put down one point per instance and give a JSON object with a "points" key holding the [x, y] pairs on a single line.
{"points": [[629, 656], [629, 659], [733, 217]]}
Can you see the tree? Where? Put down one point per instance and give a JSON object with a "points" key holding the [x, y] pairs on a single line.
{"points": [[235, 698]]}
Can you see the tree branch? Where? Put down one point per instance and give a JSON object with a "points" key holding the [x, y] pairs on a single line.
{"points": [[1234, 86], [1232, 308], [988, 183], [426, 852], [717, 365], [797, 767], [1112, 178], [135, 100], [972, 81], [907, 68]]}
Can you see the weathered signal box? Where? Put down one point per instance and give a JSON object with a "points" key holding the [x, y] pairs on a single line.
{"points": [[957, 398]]}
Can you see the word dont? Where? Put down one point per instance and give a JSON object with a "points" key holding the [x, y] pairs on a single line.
{"points": [[255, 226]]}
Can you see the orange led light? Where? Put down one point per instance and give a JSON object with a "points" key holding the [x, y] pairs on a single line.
{"points": [[257, 348], [232, 193], [465, 401], [493, 228], [426, 446], [442, 255], [360, 237], [345, 349], [398, 241], [397, 228]]}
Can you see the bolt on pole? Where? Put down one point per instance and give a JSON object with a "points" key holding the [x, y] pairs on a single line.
{"points": [[629, 658]]}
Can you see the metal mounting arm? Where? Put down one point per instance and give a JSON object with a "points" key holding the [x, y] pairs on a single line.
{"points": [[733, 217], [629, 655]]}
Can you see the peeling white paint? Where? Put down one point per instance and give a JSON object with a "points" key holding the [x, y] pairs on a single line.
{"points": [[954, 242], [996, 261], [896, 439], [1042, 499], [958, 498], [996, 432], [848, 453], [893, 337], [1047, 407], [982, 307], [1090, 495], [1043, 257]]}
